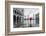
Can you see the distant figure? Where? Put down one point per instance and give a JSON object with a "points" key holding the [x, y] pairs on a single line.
{"points": [[30, 22]]}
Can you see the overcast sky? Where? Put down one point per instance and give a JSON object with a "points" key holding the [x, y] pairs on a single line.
{"points": [[30, 11]]}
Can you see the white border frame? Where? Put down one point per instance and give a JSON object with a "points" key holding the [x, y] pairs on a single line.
{"points": [[24, 29]]}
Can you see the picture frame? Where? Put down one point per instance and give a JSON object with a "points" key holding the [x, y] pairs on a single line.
{"points": [[18, 4]]}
